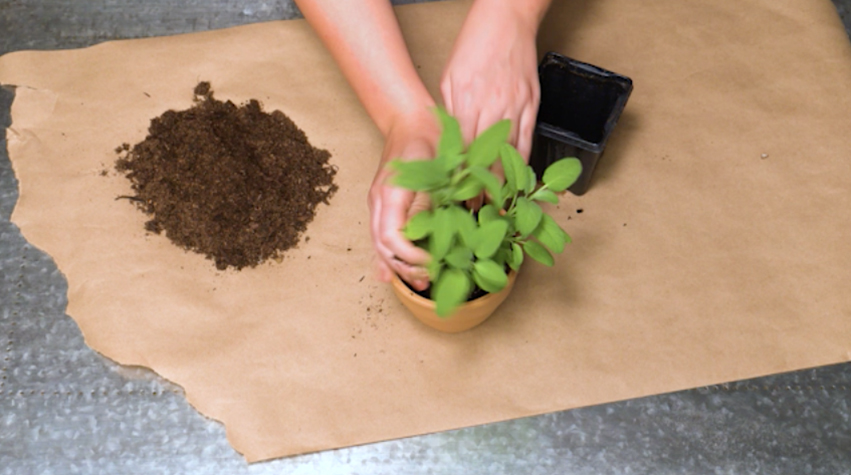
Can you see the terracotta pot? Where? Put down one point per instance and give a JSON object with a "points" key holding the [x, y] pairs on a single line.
{"points": [[464, 318]]}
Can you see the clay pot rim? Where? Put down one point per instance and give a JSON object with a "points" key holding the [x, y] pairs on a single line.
{"points": [[401, 284]]}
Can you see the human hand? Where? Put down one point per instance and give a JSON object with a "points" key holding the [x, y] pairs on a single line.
{"points": [[390, 207], [492, 72]]}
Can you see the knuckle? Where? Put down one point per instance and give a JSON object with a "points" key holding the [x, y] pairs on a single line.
{"points": [[536, 93], [386, 236]]}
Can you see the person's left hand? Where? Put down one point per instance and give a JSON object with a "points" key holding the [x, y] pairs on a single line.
{"points": [[492, 72], [410, 138]]}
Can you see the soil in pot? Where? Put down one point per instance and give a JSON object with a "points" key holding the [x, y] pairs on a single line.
{"points": [[234, 183], [426, 293]]}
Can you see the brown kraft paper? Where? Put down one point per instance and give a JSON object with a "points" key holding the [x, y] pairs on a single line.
{"points": [[712, 246]]}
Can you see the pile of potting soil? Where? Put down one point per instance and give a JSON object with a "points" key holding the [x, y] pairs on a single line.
{"points": [[236, 184]]}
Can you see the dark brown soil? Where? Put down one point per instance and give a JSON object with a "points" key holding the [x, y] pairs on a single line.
{"points": [[475, 293], [236, 184]]}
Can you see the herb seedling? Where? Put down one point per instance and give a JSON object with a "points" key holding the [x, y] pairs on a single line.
{"points": [[477, 246]]}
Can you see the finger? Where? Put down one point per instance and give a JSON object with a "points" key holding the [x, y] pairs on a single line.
{"points": [[446, 92], [383, 253], [526, 131], [416, 277], [383, 256], [515, 128], [386, 265], [404, 258], [465, 111], [382, 270], [515, 114], [468, 120], [489, 117], [393, 217], [375, 218]]}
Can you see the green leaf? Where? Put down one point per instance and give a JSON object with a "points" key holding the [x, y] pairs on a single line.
{"points": [[490, 181], [528, 216], [513, 166], [538, 252], [550, 234], [469, 187], [441, 197], [490, 237], [516, 256], [489, 275], [434, 269], [508, 190], [419, 175], [443, 232], [460, 257], [466, 226], [448, 163], [485, 148], [503, 254], [451, 141], [531, 180], [419, 226], [488, 213], [450, 291], [470, 240], [563, 173], [544, 194]]}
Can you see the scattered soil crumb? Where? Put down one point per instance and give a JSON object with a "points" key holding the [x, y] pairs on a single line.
{"points": [[234, 183]]}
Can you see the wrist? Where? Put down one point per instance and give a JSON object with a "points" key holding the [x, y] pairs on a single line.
{"points": [[411, 136], [419, 121], [529, 13], [408, 103]]}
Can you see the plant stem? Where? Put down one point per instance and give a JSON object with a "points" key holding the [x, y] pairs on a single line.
{"points": [[457, 176], [542, 187]]}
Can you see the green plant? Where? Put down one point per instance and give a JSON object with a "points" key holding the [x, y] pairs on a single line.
{"points": [[477, 246]]}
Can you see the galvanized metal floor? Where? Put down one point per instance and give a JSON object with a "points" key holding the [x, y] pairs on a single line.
{"points": [[65, 409]]}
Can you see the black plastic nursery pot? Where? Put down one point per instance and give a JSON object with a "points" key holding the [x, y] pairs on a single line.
{"points": [[580, 106]]}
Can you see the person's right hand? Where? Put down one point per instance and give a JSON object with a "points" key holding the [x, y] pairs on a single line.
{"points": [[492, 73], [409, 138]]}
